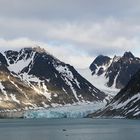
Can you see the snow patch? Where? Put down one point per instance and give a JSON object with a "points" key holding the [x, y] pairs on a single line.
{"points": [[20, 64], [73, 90], [41, 88], [137, 113], [98, 81], [14, 98], [114, 83], [2, 88]]}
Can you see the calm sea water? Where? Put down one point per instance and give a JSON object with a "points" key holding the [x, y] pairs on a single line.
{"points": [[69, 129]]}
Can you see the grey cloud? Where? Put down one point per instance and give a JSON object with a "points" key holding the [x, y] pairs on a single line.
{"points": [[91, 26], [110, 35], [68, 9]]}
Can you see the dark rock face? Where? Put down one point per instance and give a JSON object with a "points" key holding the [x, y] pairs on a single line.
{"points": [[118, 70], [126, 103], [40, 79], [128, 55], [3, 60], [99, 61]]}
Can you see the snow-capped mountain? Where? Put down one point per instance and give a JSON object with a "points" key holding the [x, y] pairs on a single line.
{"points": [[31, 78], [116, 71], [126, 103]]}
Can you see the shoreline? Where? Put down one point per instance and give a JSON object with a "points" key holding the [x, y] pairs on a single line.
{"points": [[21, 115]]}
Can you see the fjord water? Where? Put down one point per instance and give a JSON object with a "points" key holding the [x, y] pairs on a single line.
{"points": [[69, 129]]}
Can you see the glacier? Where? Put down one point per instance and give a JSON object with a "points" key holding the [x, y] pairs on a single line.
{"points": [[99, 82], [77, 110]]}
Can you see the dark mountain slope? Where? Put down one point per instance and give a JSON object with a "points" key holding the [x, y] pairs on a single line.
{"points": [[117, 71], [126, 103]]}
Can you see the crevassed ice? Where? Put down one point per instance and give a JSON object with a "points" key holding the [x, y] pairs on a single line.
{"points": [[68, 111]]}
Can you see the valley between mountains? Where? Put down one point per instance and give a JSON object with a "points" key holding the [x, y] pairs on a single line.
{"points": [[34, 83]]}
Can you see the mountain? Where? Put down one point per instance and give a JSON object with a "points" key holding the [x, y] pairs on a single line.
{"points": [[15, 94], [116, 71], [33, 78], [126, 103]]}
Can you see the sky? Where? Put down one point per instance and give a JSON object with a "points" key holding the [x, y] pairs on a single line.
{"points": [[75, 31]]}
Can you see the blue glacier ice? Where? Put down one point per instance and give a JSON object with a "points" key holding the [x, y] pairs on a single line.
{"points": [[67, 111]]}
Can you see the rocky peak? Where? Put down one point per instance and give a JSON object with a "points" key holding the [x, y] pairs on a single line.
{"points": [[101, 60], [116, 58], [118, 70], [38, 49], [128, 55], [29, 50]]}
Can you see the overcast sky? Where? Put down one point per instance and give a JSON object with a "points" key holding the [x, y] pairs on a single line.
{"points": [[75, 31]]}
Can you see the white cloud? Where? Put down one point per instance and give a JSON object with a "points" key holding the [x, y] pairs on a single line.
{"points": [[67, 55], [15, 43], [76, 29], [100, 36], [71, 41], [106, 35]]}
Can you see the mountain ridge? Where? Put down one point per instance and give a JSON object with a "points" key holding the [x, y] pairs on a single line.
{"points": [[126, 104], [49, 80], [117, 70]]}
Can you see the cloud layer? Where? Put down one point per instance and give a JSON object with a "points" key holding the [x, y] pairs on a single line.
{"points": [[68, 55], [71, 29]]}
